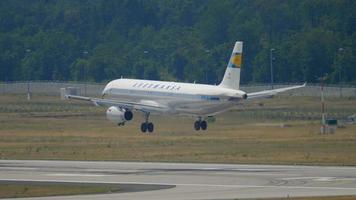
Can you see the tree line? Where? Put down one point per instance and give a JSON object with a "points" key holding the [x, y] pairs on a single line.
{"points": [[185, 40]]}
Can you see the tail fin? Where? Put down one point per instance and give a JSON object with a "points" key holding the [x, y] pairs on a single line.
{"points": [[231, 78]]}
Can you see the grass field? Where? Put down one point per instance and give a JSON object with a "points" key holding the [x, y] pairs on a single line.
{"points": [[316, 198], [33, 190], [282, 130]]}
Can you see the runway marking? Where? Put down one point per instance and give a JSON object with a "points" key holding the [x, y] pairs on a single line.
{"points": [[308, 177], [320, 178], [254, 174], [84, 175], [112, 171], [17, 168], [185, 184], [79, 175]]}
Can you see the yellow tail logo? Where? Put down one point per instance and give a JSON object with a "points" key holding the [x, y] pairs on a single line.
{"points": [[236, 60]]}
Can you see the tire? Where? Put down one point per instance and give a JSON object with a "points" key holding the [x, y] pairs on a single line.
{"points": [[128, 115], [143, 127], [197, 125], [203, 125], [150, 127]]}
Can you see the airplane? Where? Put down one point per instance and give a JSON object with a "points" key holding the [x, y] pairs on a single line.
{"points": [[123, 96]]}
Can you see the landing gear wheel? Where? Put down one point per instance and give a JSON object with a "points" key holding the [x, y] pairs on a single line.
{"points": [[144, 127], [128, 115], [150, 127], [203, 125], [197, 125], [147, 126]]}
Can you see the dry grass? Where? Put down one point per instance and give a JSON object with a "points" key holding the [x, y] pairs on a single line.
{"points": [[19, 190], [319, 198], [47, 128]]}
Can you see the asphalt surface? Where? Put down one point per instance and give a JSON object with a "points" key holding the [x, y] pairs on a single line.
{"points": [[186, 181]]}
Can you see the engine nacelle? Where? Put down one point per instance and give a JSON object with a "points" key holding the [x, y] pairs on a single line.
{"points": [[118, 115]]}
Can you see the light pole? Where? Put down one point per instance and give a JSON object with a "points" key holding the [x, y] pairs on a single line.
{"points": [[28, 51], [207, 51], [322, 99], [340, 69], [85, 53], [271, 58]]}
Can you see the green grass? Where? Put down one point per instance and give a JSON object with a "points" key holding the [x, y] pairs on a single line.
{"points": [[283, 131]]}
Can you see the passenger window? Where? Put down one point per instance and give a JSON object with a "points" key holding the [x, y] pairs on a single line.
{"points": [[134, 85], [145, 85], [156, 86], [167, 87], [150, 85], [162, 86]]}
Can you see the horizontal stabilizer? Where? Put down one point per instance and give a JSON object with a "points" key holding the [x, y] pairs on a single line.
{"points": [[269, 93]]}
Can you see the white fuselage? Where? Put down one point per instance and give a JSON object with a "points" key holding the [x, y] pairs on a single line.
{"points": [[175, 98]]}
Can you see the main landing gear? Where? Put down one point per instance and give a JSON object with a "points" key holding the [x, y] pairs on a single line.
{"points": [[147, 126], [200, 124]]}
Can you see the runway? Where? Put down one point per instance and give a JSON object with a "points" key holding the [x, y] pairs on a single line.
{"points": [[187, 181]]}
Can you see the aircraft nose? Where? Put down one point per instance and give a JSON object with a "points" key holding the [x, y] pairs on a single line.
{"points": [[105, 91]]}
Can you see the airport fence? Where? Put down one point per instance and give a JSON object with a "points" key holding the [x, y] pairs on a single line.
{"points": [[49, 88], [93, 89]]}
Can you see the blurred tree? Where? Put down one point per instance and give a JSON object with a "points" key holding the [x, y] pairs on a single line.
{"points": [[184, 40]]}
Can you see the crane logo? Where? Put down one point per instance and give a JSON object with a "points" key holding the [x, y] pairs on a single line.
{"points": [[236, 60]]}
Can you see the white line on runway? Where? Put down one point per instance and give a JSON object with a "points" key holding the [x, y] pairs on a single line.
{"points": [[306, 177], [111, 170], [18, 168], [183, 184], [84, 175], [318, 178], [254, 174]]}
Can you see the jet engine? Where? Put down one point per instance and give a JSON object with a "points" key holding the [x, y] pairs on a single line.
{"points": [[118, 115]]}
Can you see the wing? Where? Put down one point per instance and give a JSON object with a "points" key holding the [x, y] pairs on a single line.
{"points": [[144, 106], [269, 93]]}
